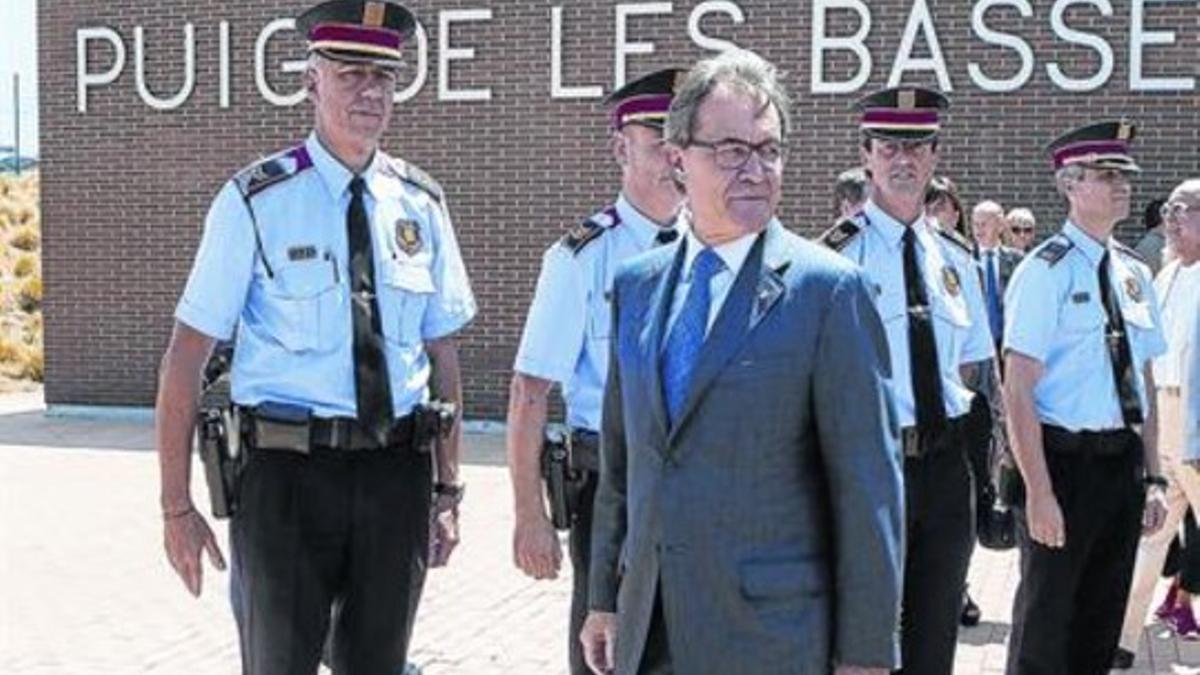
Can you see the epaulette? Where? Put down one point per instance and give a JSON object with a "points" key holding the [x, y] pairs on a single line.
{"points": [[841, 234], [414, 176], [1129, 251], [590, 229], [958, 240], [1054, 249], [272, 170]]}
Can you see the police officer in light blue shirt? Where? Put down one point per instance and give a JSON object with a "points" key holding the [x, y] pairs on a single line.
{"points": [[566, 338], [929, 297], [1081, 329], [336, 267]]}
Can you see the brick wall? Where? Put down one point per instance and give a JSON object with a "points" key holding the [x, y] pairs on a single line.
{"points": [[125, 187]]}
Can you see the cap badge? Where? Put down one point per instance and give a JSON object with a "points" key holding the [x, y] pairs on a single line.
{"points": [[906, 99], [373, 14]]}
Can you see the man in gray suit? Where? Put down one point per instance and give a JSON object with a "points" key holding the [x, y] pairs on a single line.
{"points": [[749, 515]]}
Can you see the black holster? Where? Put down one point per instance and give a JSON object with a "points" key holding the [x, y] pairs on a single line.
{"points": [[219, 450], [562, 452]]}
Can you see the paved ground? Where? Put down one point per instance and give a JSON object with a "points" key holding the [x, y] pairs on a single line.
{"points": [[84, 587]]}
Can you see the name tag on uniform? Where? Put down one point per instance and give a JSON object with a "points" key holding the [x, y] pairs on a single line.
{"points": [[1081, 298], [297, 253]]}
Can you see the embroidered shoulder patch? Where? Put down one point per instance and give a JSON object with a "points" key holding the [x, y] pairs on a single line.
{"points": [[272, 170], [414, 176], [959, 241], [590, 229], [840, 235], [1054, 250]]}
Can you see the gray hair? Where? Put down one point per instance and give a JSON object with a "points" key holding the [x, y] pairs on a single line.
{"points": [[1021, 215], [989, 206], [740, 69], [1071, 173]]}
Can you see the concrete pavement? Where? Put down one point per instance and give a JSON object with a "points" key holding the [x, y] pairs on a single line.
{"points": [[85, 588]]}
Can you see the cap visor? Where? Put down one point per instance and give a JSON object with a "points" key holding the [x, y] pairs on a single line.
{"points": [[358, 57]]}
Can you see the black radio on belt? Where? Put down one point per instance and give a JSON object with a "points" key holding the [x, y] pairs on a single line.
{"points": [[279, 426]]}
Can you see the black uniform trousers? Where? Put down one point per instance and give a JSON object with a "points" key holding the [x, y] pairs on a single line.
{"points": [[1070, 603], [581, 555], [330, 533], [940, 532]]}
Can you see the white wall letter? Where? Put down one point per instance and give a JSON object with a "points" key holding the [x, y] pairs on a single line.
{"points": [[855, 43], [446, 54], [557, 90], [422, 66], [1139, 37], [1021, 47], [709, 7], [84, 79], [260, 65], [920, 19], [624, 47], [189, 69], [223, 61], [1088, 40]]}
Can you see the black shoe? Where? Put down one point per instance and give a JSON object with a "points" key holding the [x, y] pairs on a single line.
{"points": [[1123, 659], [970, 612]]}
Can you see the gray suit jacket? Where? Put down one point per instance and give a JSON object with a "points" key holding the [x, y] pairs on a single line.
{"points": [[770, 516]]}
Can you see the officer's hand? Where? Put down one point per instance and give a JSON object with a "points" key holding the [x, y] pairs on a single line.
{"points": [[536, 549], [184, 535], [1045, 520], [443, 534], [1156, 510], [599, 638]]}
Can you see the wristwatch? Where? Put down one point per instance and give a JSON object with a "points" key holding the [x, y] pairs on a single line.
{"points": [[1155, 481], [452, 492]]}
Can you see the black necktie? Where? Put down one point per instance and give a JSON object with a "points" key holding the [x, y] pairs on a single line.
{"points": [[922, 347], [666, 236], [1119, 353], [373, 393]]}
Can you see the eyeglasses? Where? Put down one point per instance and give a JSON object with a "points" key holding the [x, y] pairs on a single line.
{"points": [[1022, 230], [732, 154], [1174, 210]]}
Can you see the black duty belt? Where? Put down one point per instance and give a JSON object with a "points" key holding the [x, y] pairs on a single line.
{"points": [[585, 450], [1110, 443], [917, 445], [345, 433]]}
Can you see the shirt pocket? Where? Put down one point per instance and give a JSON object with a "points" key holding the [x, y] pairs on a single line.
{"points": [[599, 316], [304, 307], [1082, 318], [408, 287], [951, 322]]}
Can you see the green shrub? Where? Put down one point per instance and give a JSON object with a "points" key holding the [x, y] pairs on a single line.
{"points": [[33, 366], [25, 239], [25, 266], [29, 297]]}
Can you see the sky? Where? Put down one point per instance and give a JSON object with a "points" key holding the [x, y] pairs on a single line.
{"points": [[18, 54]]}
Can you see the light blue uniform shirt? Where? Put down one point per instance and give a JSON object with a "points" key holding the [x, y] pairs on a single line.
{"points": [[1054, 315], [960, 325], [567, 330], [294, 330]]}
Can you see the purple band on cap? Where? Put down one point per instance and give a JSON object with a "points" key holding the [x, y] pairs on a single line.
{"points": [[640, 106], [1065, 154], [886, 116], [333, 32]]}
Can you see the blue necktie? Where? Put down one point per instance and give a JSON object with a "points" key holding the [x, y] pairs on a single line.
{"points": [[687, 335], [995, 310]]}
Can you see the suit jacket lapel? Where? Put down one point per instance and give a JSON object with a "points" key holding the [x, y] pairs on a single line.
{"points": [[742, 311], [652, 338]]}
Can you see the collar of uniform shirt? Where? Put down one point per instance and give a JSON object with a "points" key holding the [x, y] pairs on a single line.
{"points": [[644, 229], [1091, 248], [334, 174], [732, 253], [892, 230]]}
